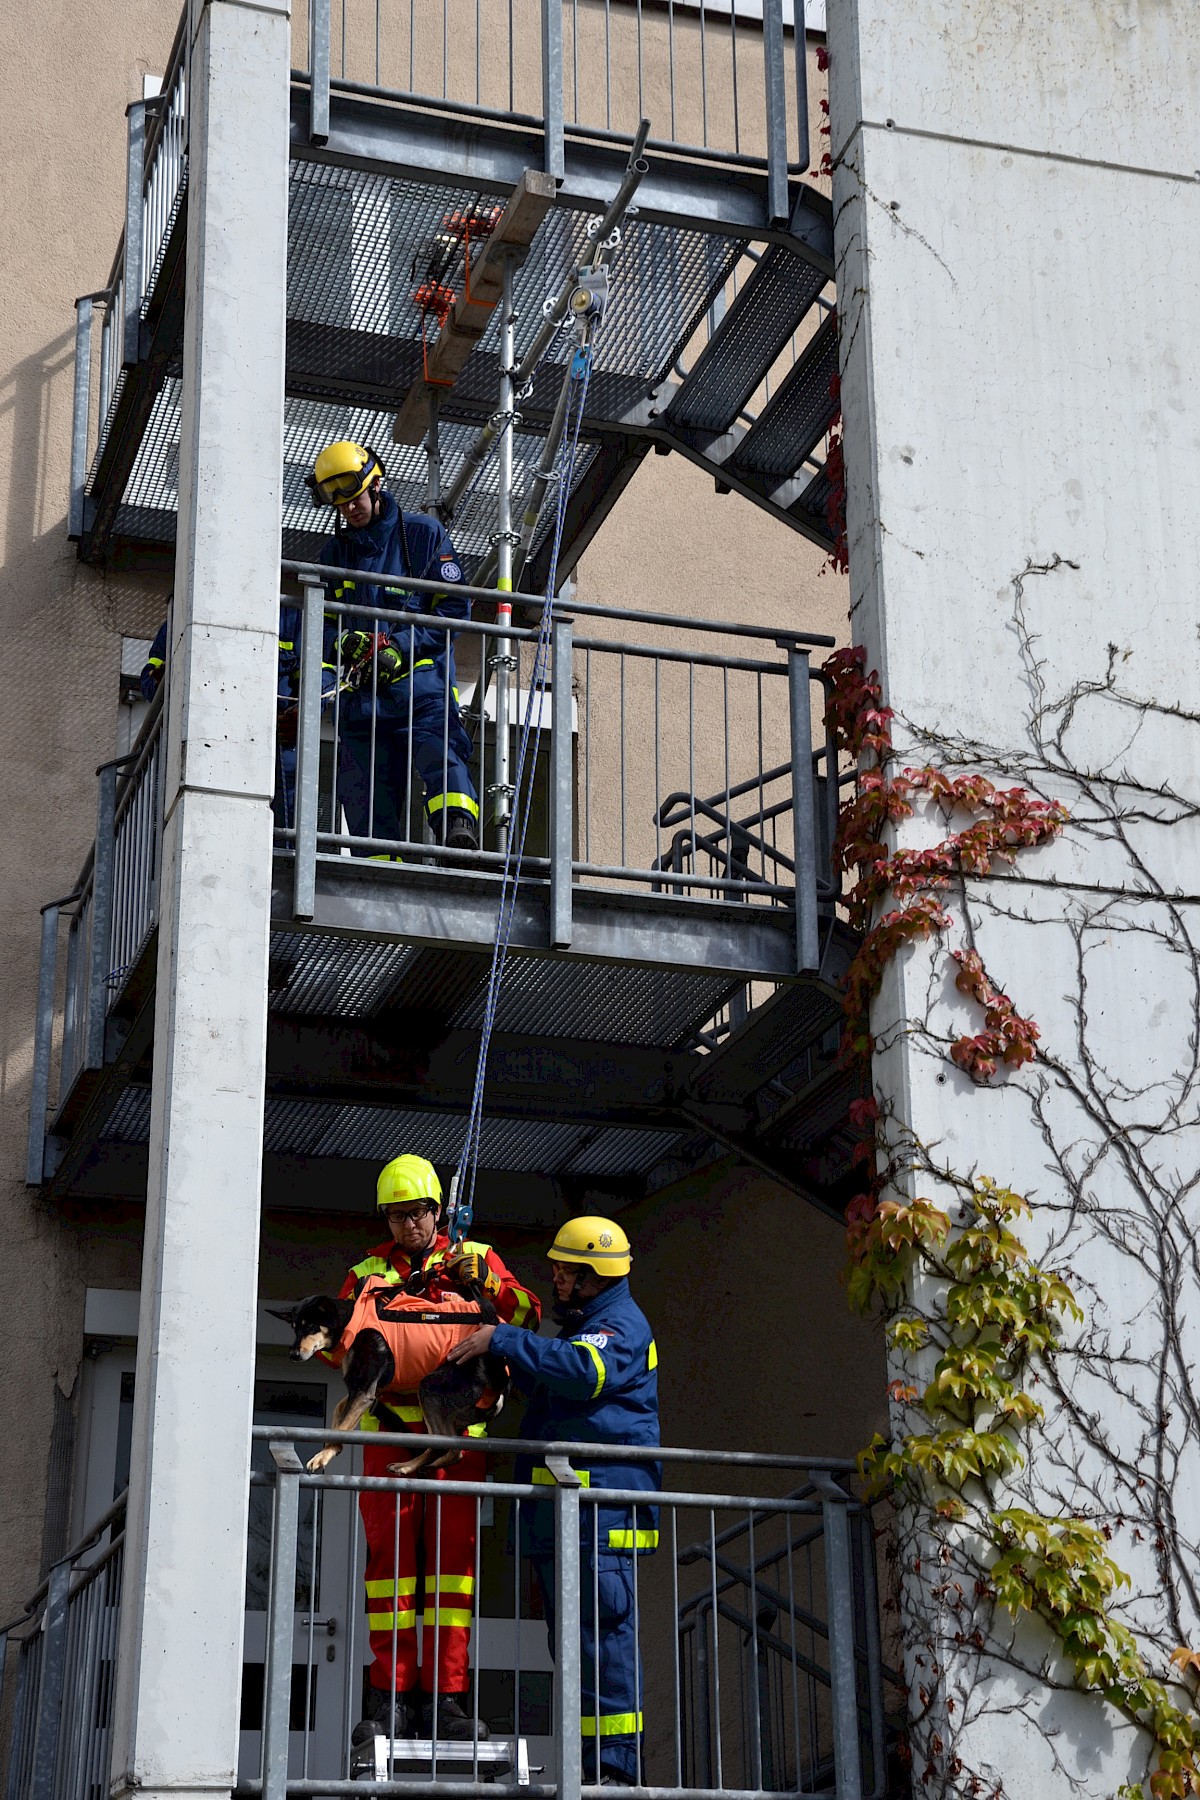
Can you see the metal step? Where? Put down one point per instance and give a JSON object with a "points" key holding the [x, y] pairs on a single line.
{"points": [[796, 417], [755, 329]]}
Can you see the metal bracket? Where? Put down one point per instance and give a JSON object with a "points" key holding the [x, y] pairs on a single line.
{"points": [[563, 1473]]}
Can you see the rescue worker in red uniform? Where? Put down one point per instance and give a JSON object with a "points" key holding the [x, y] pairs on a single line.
{"points": [[402, 1549]]}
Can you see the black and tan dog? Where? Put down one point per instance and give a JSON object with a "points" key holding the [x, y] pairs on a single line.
{"points": [[451, 1397]]}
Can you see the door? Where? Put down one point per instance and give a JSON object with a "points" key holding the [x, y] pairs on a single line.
{"points": [[326, 1666]]}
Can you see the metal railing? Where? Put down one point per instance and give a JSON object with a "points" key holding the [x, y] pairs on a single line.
{"points": [[641, 721], [155, 182], [110, 913], [721, 83], [65, 1651], [750, 1644]]}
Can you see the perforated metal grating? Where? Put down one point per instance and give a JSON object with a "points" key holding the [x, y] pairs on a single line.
{"points": [[348, 978], [760, 320], [800, 412], [610, 1003], [325, 1128]]}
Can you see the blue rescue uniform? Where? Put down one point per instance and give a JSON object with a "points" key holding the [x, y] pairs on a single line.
{"points": [[415, 716], [595, 1383]]}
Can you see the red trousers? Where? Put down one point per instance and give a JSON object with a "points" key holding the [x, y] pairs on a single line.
{"points": [[420, 1567]]}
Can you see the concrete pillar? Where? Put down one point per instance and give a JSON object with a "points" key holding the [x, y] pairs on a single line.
{"points": [[179, 1676], [1017, 204]]}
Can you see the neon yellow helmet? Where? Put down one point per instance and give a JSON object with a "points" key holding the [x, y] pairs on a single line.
{"points": [[599, 1243], [342, 472], [407, 1178]]}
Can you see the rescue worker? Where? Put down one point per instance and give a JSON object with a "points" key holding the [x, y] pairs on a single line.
{"points": [[594, 1383], [417, 1542], [155, 665], [398, 685]]}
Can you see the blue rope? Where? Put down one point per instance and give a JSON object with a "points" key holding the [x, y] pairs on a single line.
{"points": [[462, 1193]]}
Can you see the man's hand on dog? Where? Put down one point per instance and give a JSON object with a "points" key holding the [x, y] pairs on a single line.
{"points": [[466, 1267], [475, 1345]]}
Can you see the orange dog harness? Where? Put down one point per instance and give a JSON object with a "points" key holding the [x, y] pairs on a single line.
{"points": [[419, 1329]]}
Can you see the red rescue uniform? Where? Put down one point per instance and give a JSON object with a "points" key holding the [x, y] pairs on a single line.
{"points": [[421, 1549]]}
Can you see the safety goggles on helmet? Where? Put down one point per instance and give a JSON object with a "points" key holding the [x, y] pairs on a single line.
{"points": [[342, 472]]}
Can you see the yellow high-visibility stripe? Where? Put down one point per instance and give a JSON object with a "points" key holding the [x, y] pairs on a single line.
{"points": [[477, 1430], [611, 1724], [452, 1584], [633, 1540], [543, 1478], [522, 1309], [652, 1355], [447, 1615], [386, 1621], [156, 662], [374, 1265], [601, 1371], [389, 1586], [287, 643], [464, 802]]}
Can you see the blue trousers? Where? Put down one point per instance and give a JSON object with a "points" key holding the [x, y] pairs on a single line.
{"points": [[440, 751], [611, 1684]]}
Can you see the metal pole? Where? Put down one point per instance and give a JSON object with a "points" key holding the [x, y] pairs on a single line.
{"points": [[839, 1605], [433, 457], [134, 222], [504, 662], [281, 1608], [567, 1690], [50, 1687], [102, 900], [776, 105], [808, 951], [79, 415], [308, 752], [800, 46], [43, 1033], [552, 87], [318, 71], [561, 809]]}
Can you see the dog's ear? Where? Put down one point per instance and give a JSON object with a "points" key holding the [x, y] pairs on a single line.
{"points": [[288, 1314]]}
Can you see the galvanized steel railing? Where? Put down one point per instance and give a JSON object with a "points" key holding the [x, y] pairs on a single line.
{"points": [[155, 183], [720, 80], [759, 1666], [111, 914], [66, 1649], [638, 732]]}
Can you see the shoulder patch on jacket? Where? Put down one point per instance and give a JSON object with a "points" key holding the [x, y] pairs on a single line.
{"points": [[450, 568], [599, 1338]]}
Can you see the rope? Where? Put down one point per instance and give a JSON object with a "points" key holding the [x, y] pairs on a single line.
{"points": [[461, 1207]]}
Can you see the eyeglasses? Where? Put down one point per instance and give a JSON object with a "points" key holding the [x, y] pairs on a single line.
{"points": [[407, 1212]]}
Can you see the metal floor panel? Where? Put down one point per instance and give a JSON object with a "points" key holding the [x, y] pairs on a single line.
{"points": [[797, 415], [313, 973], [607, 1002], [772, 1038]]}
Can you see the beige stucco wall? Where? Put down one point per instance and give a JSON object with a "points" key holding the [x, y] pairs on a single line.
{"points": [[670, 545]]}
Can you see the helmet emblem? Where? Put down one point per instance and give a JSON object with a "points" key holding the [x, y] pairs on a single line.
{"points": [[606, 1240]]}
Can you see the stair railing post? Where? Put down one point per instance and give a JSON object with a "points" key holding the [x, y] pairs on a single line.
{"points": [[135, 164], [839, 1606], [308, 751], [100, 949], [776, 104], [39, 1097], [552, 87], [568, 1705], [79, 414], [562, 810], [808, 954], [51, 1684], [318, 71], [281, 1609]]}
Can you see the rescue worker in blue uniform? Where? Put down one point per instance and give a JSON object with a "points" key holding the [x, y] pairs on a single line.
{"points": [[595, 1383], [398, 686]]}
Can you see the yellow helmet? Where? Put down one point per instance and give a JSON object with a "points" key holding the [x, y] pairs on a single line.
{"points": [[407, 1178], [342, 472], [600, 1243]]}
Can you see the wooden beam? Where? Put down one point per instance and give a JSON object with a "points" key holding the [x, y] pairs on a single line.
{"points": [[515, 230]]}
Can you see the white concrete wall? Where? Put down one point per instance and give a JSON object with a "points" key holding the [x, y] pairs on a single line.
{"points": [[1017, 194]]}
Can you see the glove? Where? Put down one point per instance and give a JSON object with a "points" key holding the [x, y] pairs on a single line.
{"points": [[467, 1268], [389, 662]]}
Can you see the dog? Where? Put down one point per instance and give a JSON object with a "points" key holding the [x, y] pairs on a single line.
{"points": [[451, 1397]]}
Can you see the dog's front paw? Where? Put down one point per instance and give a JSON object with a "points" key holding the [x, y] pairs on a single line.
{"points": [[320, 1461], [405, 1468]]}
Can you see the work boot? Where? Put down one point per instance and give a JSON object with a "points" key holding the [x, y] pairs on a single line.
{"points": [[454, 1726], [377, 1717], [460, 831]]}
